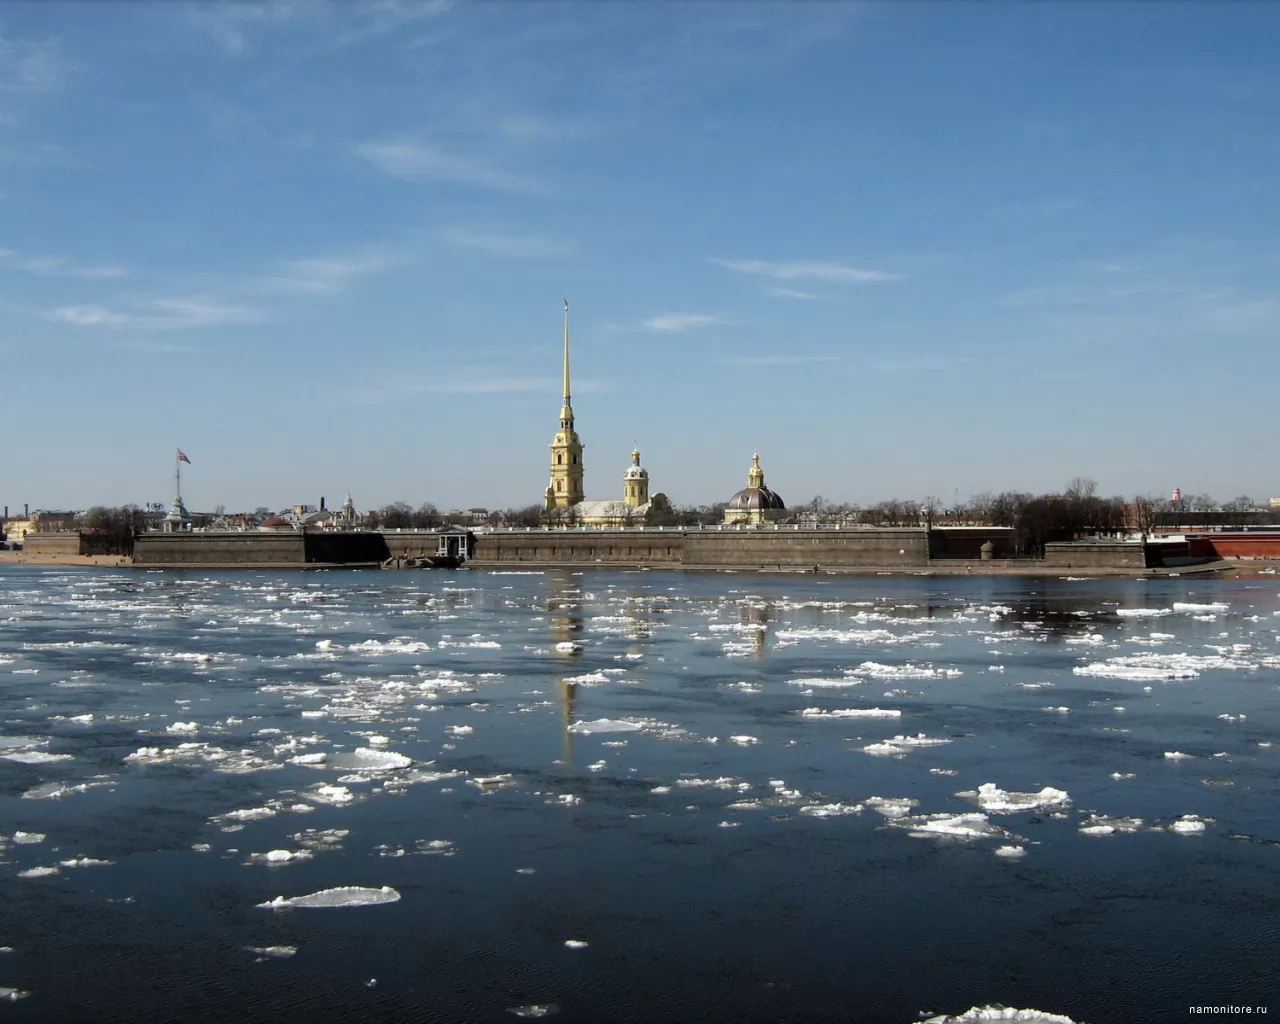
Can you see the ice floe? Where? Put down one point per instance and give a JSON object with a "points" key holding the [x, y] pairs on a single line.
{"points": [[604, 725], [851, 713], [900, 746], [994, 800], [342, 896], [980, 1013]]}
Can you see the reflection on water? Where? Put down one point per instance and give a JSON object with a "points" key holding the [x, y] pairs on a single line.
{"points": [[783, 797]]}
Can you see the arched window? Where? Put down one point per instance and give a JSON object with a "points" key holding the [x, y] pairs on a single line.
{"points": [[559, 485], [560, 458], [575, 460]]}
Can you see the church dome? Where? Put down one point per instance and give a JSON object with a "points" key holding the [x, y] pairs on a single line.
{"points": [[635, 471], [755, 497]]}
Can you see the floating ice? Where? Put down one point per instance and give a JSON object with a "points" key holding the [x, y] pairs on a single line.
{"points": [[178, 728], [834, 810], [602, 725], [878, 671], [309, 759], [279, 952], [900, 746], [460, 730], [1201, 609], [39, 872], [744, 741], [343, 896], [324, 794], [824, 683], [1010, 852], [12, 994], [851, 713], [953, 826], [891, 806], [588, 679], [992, 798], [367, 759], [21, 838], [569, 647], [84, 862], [1001, 1013], [534, 1011], [576, 943], [1143, 613], [1177, 755], [277, 857], [1188, 825], [35, 757], [1156, 667]]}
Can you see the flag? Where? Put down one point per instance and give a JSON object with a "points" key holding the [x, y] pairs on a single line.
{"points": [[183, 458]]}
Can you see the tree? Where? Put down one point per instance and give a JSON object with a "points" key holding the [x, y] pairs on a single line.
{"points": [[1081, 487], [530, 515], [1142, 514], [427, 517], [660, 511], [396, 516]]}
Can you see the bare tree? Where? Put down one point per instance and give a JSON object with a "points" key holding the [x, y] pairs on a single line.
{"points": [[396, 516], [1081, 487], [1143, 511]]}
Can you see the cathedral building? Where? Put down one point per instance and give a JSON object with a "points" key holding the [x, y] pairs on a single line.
{"points": [[755, 503], [565, 497]]}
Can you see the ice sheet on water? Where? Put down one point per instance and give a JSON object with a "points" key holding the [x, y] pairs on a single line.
{"points": [[1188, 825], [534, 1011], [851, 713], [900, 746], [277, 858], [57, 790], [321, 838], [825, 683], [326, 794], [277, 952], [994, 800], [41, 872], [908, 671], [1191, 608], [369, 759], [1010, 852], [342, 896], [35, 757], [979, 1013], [891, 806], [831, 810], [21, 838], [1143, 613], [1161, 667], [948, 826], [12, 994], [587, 679], [604, 725], [1103, 825]]}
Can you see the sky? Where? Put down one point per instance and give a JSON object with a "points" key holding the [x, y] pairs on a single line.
{"points": [[900, 249]]}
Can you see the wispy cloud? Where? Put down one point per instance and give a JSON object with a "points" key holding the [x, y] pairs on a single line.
{"points": [[791, 293], [158, 314], [504, 386], [30, 66], [314, 27], [780, 360], [11, 259], [677, 322], [326, 275], [423, 163], [501, 244], [817, 270]]}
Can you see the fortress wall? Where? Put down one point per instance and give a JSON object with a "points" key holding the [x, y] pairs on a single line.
{"points": [[214, 549], [571, 547], [340, 548], [799, 549], [54, 544], [1084, 555], [966, 542]]}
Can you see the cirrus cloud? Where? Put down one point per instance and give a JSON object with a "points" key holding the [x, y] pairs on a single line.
{"points": [[818, 270]]}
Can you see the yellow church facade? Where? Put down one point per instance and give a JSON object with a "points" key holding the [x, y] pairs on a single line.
{"points": [[565, 497]]}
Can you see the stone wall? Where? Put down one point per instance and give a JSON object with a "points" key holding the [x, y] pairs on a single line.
{"points": [[259, 548], [1095, 555], [580, 547], [804, 548], [54, 544]]}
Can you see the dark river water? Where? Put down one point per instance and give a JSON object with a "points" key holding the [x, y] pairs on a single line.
{"points": [[635, 796]]}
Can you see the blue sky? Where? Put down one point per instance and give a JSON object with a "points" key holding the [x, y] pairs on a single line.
{"points": [[903, 249]]}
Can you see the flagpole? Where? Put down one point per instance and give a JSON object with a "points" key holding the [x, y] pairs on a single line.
{"points": [[177, 478]]}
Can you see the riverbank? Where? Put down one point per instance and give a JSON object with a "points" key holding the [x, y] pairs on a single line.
{"points": [[29, 558]]}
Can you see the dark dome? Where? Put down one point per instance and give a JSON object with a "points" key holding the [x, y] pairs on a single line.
{"points": [[752, 498]]}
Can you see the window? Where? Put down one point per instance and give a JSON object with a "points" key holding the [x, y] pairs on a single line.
{"points": [[575, 460], [560, 459], [559, 485]]}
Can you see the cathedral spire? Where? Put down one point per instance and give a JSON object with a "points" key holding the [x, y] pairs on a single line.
{"points": [[568, 403]]}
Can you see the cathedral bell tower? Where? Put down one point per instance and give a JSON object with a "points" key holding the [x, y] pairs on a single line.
{"points": [[565, 488], [635, 482]]}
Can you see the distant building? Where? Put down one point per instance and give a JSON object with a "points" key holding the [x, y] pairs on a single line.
{"points": [[755, 503], [630, 509]]}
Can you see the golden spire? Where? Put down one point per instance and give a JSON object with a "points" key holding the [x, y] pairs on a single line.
{"points": [[635, 455], [567, 402], [755, 476]]}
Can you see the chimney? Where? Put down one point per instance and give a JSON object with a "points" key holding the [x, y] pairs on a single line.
{"points": [[322, 503], [26, 511], [6, 511]]}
